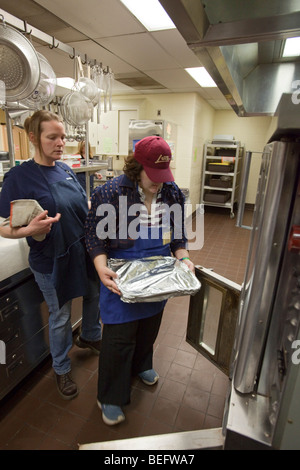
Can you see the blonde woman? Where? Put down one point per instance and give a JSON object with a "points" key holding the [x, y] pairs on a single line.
{"points": [[59, 263]]}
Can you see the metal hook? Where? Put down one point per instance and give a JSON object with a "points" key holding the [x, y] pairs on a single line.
{"points": [[85, 60], [26, 28], [53, 46], [74, 54]]}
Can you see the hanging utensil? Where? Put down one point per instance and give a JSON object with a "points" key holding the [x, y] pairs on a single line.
{"points": [[105, 90], [110, 87], [19, 64], [98, 78], [76, 109], [46, 88], [85, 85], [2, 94]]}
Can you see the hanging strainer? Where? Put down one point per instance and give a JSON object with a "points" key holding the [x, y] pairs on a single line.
{"points": [[76, 109], [19, 64], [45, 91]]}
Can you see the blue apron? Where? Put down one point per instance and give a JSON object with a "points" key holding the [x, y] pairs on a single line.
{"points": [[113, 309], [72, 265]]}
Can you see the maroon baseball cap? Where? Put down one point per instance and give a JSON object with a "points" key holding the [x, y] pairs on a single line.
{"points": [[154, 154]]}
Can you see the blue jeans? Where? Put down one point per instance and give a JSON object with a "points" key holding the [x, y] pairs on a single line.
{"points": [[60, 328]]}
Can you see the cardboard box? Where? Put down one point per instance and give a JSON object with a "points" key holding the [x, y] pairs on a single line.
{"points": [[20, 140]]}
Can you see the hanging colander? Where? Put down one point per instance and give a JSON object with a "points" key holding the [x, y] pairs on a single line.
{"points": [[45, 90], [19, 64]]}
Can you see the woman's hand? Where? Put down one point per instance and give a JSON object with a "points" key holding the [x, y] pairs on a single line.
{"points": [[189, 264], [183, 254], [107, 277], [41, 224], [106, 274]]}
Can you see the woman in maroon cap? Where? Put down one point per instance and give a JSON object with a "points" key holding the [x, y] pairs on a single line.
{"points": [[131, 328]]}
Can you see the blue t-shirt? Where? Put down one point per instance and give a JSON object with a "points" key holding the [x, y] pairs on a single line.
{"points": [[31, 181]]}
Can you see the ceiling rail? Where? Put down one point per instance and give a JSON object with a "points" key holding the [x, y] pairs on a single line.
{"points": [[24, 27]]}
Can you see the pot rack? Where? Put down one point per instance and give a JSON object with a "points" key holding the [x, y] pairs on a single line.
{"points": [[53, 43]]}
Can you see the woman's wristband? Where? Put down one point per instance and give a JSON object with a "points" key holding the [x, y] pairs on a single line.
{"points": [[182, 259]]}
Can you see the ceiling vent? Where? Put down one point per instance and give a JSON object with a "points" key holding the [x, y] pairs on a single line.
{"points": [[139, 82]]}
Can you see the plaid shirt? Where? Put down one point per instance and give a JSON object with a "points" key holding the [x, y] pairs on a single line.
{"points": [[110, 193]]}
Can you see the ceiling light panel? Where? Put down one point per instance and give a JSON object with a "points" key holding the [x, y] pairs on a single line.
{"points": [[291, 47], [201, 76], [150, 13]]}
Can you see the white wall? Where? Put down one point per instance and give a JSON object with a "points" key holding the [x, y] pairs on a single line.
{"points": [[197, 122], [193, 117]]}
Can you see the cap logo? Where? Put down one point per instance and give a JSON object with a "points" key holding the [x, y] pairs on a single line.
{"points": [[163, 159]]}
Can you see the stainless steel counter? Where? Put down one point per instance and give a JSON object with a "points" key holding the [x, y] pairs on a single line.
{"points": [[93, 168]]}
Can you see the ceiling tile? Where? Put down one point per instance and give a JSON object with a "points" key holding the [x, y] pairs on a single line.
{"points": [[140, 50], [173, 78], [174, 44], [95, 18]]}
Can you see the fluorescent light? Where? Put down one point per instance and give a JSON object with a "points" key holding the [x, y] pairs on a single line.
{"points": [[150, 13], [201, 76], [291, 47], [65, 82]]}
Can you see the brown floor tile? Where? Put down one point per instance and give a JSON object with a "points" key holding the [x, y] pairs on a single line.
{"points": [[153, 426], [189, 419], [44, 417], [178, 373], [195, 398], [27, 438], [172, 390], [165, 410], [185, 358], [142, 401], [203, 381], [67, 428]]}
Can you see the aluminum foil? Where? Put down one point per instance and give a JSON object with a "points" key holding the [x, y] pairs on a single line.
{"points": [[153, 279]]}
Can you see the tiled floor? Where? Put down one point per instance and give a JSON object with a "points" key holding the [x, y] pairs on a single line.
{"points": [[190, 394]]}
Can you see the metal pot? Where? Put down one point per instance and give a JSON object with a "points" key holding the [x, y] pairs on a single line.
{"points": [[19, 64]]}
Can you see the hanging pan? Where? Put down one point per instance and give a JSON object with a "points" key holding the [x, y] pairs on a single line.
{"points": [[19, 64]]}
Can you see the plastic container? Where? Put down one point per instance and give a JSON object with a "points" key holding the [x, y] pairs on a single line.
{"points": [[216, 196], [220, 181], [225, 167]]}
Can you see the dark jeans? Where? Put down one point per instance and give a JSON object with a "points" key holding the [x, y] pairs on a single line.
{"points": [[126, 350]]}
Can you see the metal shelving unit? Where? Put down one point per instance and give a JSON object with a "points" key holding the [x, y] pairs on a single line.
{"points": [[221, 173]]}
